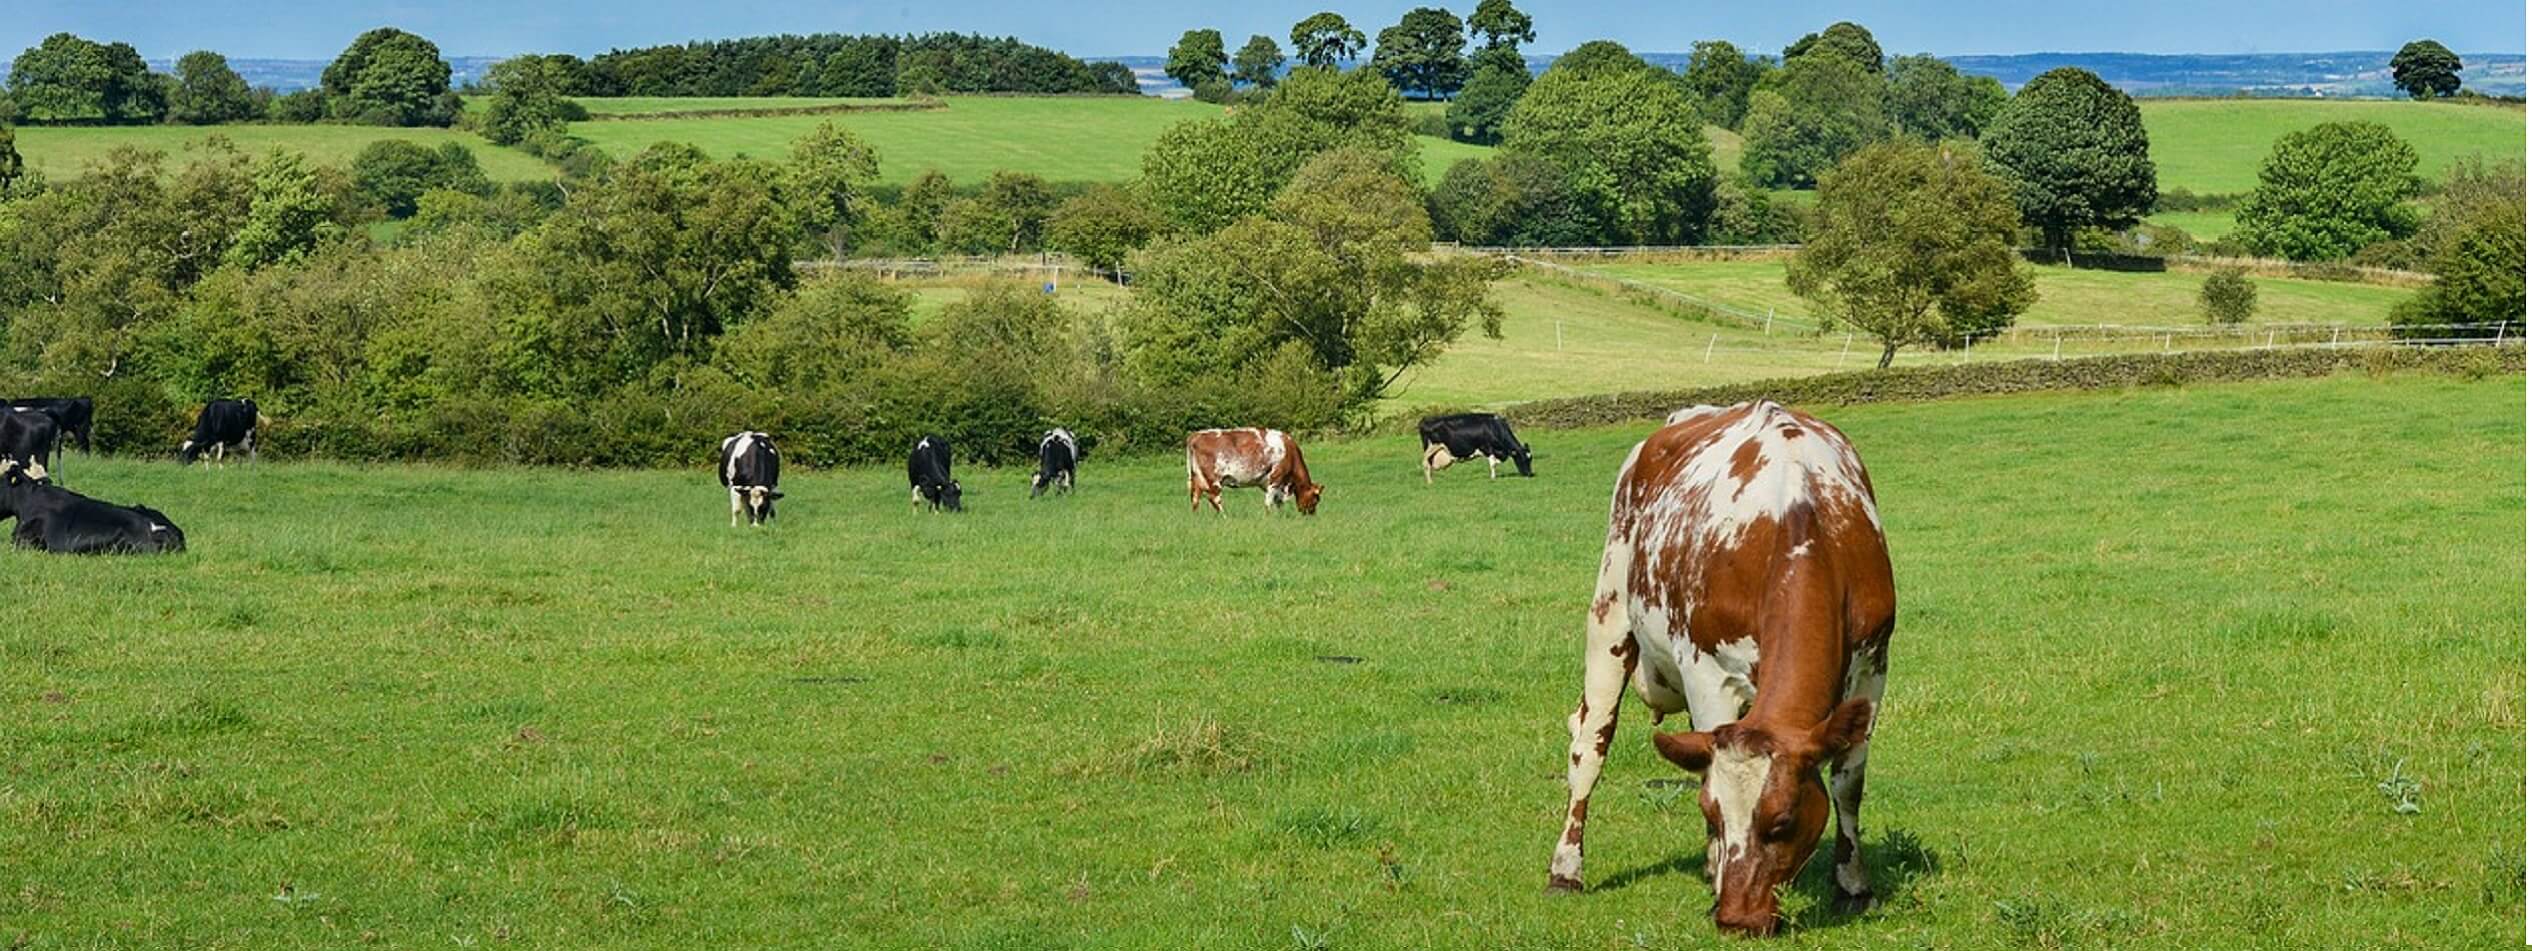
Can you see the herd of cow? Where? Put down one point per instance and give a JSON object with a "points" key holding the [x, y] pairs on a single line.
{"points": [[1736, 534]]}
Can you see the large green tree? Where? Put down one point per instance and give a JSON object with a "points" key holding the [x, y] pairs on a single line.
{"points": [[1722, 79], [529, 95], [1197, 59], [1206, 173], [287, 216], [827, 182], [1914, 246], [1333, 272], [390, 77], [2475, 247], [1258, 62], [1807, 117], [1325, 39], [2329, 190], [1632, 139], [1422, 53], [1102, 226], [12, 166], [2074, 149], [67, 78], [2425, 70], [1930, 99], [392, 174], [1498, 25], [1477, 113], [208, 92], [1845, 40]]}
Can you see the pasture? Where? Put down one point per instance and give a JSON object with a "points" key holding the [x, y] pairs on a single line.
{"points": [[2215, 146], [1061, 138], [2220, 666], [61, 152]]}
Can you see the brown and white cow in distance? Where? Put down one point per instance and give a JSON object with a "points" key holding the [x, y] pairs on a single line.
{"points": [[1746, 583], [1266, 458]]}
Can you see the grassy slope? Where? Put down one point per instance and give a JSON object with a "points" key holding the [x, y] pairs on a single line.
{"points": [[1086, 138], [64, 152], [2066, 295], [2216, 146], [2144, 690], [635, 105]]}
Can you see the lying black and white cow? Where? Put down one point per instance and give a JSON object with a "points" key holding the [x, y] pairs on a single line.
{"points": [[223, 424], [928, 471], [29, 437], [76, 415], [1448, 439], [750, 468], [1057, 456], [55, 519]]}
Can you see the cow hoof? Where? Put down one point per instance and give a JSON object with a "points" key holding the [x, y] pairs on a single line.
{"points": [[1855, 904], [1560, 885]]}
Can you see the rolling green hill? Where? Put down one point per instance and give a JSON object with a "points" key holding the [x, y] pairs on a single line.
{"points": [[60, 152], [2215, 146]]}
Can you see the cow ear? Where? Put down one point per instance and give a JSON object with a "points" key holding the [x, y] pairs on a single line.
{"points": [[1691, 751], [1846, 727]]}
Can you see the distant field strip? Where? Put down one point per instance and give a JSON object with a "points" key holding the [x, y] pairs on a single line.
{"points": [[2215, 146], [61, 152]]}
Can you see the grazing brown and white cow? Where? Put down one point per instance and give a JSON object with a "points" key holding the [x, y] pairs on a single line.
{"points": [[1266, 458], [1745, 582]]}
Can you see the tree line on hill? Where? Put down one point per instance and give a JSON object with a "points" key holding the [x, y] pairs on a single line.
{"points": [[393, 78]]}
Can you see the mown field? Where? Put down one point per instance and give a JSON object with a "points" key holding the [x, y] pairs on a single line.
{"points": [[1062, 138], [60, 152], [2215, 146], [2170, 671], [2066, 295]]}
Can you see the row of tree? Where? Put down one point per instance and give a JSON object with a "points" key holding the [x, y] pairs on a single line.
{"points": [[830, 64], [386, 77], [1422, 55]]}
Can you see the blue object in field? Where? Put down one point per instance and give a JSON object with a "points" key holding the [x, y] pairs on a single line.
{"points": [[1050, 287]]}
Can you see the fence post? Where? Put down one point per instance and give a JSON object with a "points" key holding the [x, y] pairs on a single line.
{"points": [[2334, 336], [1710, 347], [1770, 329], [2167, 343], [2501, 332], [2272, 338], [2059, 351], [1560, 336], [1841, 351]]}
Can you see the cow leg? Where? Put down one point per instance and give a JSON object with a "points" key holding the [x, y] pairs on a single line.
{"points": [[914, 497], [1431, 465], [251, 455], [1846, 786], [1608, 660], [735, 505], [1491, 463]]}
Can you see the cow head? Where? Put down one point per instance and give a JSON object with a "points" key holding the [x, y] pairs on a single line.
{"points": [[760, 503], [1764, 804], [187, 452], [1521, 458], [15, 478], [1307, 500], [949, 496]]}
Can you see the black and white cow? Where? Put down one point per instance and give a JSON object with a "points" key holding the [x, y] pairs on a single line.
{"points": [[29, 437], [1448, 439], [750, 468], [55, 519], [928, 471], [76, 415], [223, 424], [1057, 456]]}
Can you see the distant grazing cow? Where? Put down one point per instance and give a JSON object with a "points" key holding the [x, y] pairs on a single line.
{"points": [[29, 437], [1266, 458], [928, 471], [1057, 455], [76, 414], [1448, 439], [750, 468], [223, 424], [1746, 582], [55, 519]]}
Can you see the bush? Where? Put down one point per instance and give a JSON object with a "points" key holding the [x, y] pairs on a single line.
{"points": [[2228, 296]]}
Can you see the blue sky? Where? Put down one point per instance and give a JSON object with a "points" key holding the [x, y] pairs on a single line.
{"points": [[298, 29]]}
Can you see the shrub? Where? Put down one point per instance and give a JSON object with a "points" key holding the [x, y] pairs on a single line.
{"points": [[2228, 296]]}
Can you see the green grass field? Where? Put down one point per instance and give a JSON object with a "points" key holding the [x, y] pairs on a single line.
{"points": [[2066, 295], [2215, 146], [61, 152], [1070, 138], [643, 105], [2159, 653]]}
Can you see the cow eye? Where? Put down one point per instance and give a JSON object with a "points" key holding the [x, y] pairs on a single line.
{"points": [[1782, 829]]}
